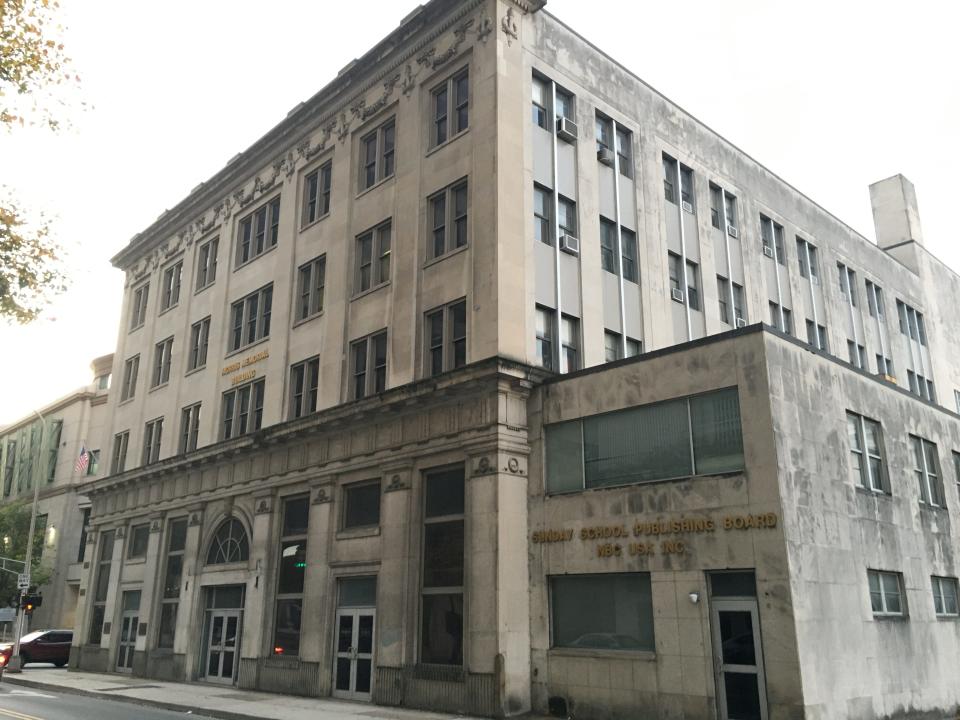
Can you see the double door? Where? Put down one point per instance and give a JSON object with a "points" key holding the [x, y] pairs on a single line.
{"points": [[738, 660], [353, 654], [223, 645], [129, 622]]}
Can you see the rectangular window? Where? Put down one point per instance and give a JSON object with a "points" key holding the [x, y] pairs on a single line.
{"points": [[628, 247], [446, 338], [886, 593], [118, 461], [250, 318], [541, 100], [316, 193], [687, 197], [131, 368], [441, 603], [945, 596], [311, 280], [817, 335], [848, 283], [84, 529], [603, 611], [373, 258], [675, 272], [304, 385], [807, 259], [625, 151], [292, 568], [875, 300], [450, 103], [93, 467], [207, 263], [604, 132], [199, 342], [781, 318], [570, 343], [361, 505], [369, 361], [771, 234], [543, 214], [162, 357], [613, 347], [258, 231], [730, 202], [189, 428], [669, 178], [152, 434], [693, 286], [101, 587], [139, 536], [546, 320], [926, 467], [170, 292], [138, 307], [956, 466], [699, 435], [564, 103], [172, 579], [448, 219], [10, 464], [866, 453], [723, 299], [242, 410], [716, 206], [567, 216], [377, 154], [608, 246]]}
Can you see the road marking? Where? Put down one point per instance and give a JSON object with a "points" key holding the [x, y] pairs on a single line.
{"points": [[16, 715], [30, 693]]}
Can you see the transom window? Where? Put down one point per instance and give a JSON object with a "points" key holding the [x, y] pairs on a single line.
{"points": [[229, 545]]}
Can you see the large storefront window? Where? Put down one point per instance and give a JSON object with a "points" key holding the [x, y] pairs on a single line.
{"points": [[441, 611], [101, 586], [690, 436], [172, 576], [293, 564], [603, 611]]}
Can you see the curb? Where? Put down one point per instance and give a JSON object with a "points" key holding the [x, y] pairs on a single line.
{"points": [[174, 707]]}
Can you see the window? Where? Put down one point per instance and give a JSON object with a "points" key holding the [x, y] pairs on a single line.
{"points": [[866, 453], [189, 427], [250, 318], [546, 319], [567, 216], [152, 434], [450, 102], [817, 335], [604, 131], [699, 435], [10, 463], [625, 151], [564, 104], [956, 465], [848, 283], [441, 602], [316, 193], [242, 410], [170, 292], [885, 366], [53, 448], [93, 466], [945, 596], [723, 299], [541, 94], [259, 231], [911, 323], [304, 384], [139, 536], [781, 318], [377, 155], [613, 346], [875, 300], [373, 258], [446, 337], [608, 246], [857, 355], [675, 270], [448, 217], [956, 399], [369, 357], [693, 286], [570, 343], [207, 263], [130, 370], [771, 234], [608, 611], [686, 188], [138, 308], [628, 246], [926, 466], [101, 587], [119, 460], [229, 545], [669, 178], [162, 354], [731, 206], [292, 567], [807, 259], [84, 529], [542, 214], [172, 577], [716, 206], [361, 505], [102, 381], [886, 593], [311, 279], [199, 341]]}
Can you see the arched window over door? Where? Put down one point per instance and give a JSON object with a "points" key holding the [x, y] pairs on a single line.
{"points": [[229, 545]]}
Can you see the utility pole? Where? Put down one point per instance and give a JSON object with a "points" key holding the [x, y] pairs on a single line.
{"points": [[15, 664]]}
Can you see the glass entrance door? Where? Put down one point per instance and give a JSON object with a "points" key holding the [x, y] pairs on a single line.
{"points": [[129, 622], [353, 657], [738, 660], [223, 644]]}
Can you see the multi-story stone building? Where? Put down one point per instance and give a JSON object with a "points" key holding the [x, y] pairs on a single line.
{"points": [[30, 454], [451, 392]]}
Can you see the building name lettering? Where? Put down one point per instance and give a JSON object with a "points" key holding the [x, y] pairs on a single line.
{"points": [[249, 360], [243, 377]]}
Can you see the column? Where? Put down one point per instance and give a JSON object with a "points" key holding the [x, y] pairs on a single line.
{"points": [[315, 628], [257, 619], [149, 613], [82, 625], [190, 610], [112, 606]]}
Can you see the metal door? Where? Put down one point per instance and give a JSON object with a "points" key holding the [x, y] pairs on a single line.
{"points": [[738, 660], [127, 643], [223, 645], [353, 654]]}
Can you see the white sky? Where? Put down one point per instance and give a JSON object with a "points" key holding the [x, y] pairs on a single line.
{"points": [[831, 95]]}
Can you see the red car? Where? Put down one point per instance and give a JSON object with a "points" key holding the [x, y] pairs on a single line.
{"points": [[42, 646]]}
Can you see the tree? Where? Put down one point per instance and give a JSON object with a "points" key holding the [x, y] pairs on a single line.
{"points": [[14, 528], [32, 66]]}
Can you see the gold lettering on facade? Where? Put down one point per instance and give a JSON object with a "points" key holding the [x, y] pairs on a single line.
{"points": [[243, 377], [551, 536], [249, 360]]}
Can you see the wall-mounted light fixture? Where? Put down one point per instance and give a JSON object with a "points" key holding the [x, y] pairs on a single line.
{"points": [[694, 597]]}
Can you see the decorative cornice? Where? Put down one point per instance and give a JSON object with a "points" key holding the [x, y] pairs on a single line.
{"points": [[529, 6]]}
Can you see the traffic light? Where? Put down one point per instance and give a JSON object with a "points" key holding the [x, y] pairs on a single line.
{"points": [[31, 602]]}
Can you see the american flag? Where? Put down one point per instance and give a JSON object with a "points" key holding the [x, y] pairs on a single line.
{"points": [[83, 461]]}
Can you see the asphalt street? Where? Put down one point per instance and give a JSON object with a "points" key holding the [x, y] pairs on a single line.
{"points": [[20, 703]]}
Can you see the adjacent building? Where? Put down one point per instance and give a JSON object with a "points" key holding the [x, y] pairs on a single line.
{"points": [[43, 448], [490, 380]]}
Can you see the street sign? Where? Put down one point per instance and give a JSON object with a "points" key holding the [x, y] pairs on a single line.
{"points": [[23, 581]]}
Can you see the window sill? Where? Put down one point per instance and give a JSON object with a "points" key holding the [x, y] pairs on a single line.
{"points": [[948, 618], [447, 142], [317, 221], [377, 184], [244, 348], [195, 370], [204, 287], [889, 618], [127, 401], [360, 532], [134, 329], [370, 291], [161, 386], [450, 253], [307, 319], [606, 654], [136, 561], [168, 309], [867, 492], [926, 507], [254, 258]]}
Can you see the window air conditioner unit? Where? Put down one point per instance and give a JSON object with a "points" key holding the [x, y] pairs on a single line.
{"points": [[567, 130], [732, 231], [687, 207], [605, 155], [741, 322], [570, 244], [676, 295], [768, 251]]}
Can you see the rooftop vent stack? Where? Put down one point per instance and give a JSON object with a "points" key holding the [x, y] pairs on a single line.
{"points": [[895, 215]]}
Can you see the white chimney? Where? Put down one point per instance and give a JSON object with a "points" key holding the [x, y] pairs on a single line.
{"points": [[895, 215]]}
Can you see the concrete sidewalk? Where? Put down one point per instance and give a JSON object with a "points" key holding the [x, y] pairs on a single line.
{"points": [[219, 702]]}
